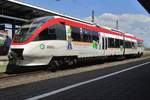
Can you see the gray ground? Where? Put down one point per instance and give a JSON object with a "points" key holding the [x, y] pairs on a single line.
{"points": [[129, 85]]}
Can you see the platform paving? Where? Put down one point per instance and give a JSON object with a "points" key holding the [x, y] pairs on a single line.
{"points": [[3, 63]]}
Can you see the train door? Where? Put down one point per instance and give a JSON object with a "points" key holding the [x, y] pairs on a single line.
{"points": [[124, 50], [104, 44]]}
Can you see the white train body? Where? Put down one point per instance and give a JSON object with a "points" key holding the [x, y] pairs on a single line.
{"points": [[35, 51]]}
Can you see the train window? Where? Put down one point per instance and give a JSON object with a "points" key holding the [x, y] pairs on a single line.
{"points": [[46, 35], [111, 43], [117, 43], [128, 44], [133, 44], [60, 31], [140, 44], [75, 34], [95, 35], [55, 32], [121, 42], [87, 35]]}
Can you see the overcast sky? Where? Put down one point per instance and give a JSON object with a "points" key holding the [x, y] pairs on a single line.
{"points": [[136, 24], [131, 15]]}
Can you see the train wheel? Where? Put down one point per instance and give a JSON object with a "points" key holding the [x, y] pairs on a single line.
{"points": [[75, 61], [139, 54], [53, 66], [71, 62]]}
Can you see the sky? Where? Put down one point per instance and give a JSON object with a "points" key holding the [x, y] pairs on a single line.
{"points": [[132, 17], [83, 8]]}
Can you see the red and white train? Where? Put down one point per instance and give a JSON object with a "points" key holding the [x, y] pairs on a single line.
{"points": [[53, 40]]}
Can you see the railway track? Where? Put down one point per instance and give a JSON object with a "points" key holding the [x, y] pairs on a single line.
{"points": [[8, 76]]}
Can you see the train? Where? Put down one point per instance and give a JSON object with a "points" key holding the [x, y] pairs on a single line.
{"points": [[55, 40]]}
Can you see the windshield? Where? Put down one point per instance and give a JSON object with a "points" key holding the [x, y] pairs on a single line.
{"points": [[25, 32]]}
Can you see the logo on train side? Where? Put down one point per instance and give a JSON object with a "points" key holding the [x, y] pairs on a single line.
{"points": [[42, 46]]}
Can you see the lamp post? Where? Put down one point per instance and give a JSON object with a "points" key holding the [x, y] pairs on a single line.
{"points": [[117, 24], [93, 20]]}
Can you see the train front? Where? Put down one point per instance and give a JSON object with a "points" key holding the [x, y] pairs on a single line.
{"points": [[25, 50]]}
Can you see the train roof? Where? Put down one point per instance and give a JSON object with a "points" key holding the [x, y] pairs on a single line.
{"points": [[95, 25], [107, 28], [129, 34]]}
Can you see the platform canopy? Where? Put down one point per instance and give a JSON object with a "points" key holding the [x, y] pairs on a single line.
{"points": [[12, 11], [145, 4]]}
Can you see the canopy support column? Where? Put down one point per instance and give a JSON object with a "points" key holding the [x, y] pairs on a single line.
{"points": [[13, 29]]}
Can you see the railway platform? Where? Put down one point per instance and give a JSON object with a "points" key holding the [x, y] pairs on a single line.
{"points": [[3, 63]]}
